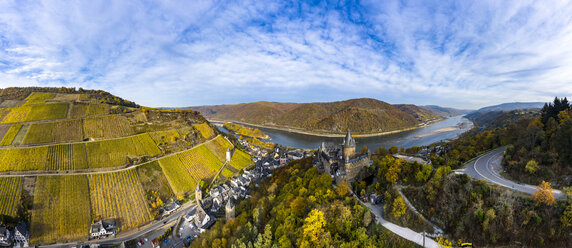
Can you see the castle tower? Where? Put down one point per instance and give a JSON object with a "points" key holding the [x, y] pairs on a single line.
{"points": [[229, 210], [349, 146], [198, 194], [228, 155]]}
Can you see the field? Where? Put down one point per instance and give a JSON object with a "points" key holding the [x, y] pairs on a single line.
{"points": [[61, 209], [3, 130], [205, 130], [109, 126], [154, 182], [218, 147], [59, 131], [10, 135], [36, 112], [240, 160], [40, 96], [66, 157], [227, 173], [165, 137], [119, 195], [67, 97], [185, 169], [84, 110], [10, 188], [23, 159], [114, 152]]}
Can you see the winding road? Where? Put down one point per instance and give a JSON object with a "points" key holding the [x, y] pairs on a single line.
{"points": [[488, 167]]}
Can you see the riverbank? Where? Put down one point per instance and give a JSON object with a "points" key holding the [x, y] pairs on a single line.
{"points": [[341, 135], [438, 131]]}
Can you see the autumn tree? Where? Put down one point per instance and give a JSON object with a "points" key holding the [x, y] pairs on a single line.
{"points": [[531, 167], [343, 189], [544, 194], [314, 227], [399, 207], [393, 171]]}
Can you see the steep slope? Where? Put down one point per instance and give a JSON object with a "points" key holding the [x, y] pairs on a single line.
{"points": [[444, 111], [362, 115], [512, 106]]}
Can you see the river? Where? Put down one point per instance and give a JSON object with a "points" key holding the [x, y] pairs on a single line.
{"points": [[418, 137]]}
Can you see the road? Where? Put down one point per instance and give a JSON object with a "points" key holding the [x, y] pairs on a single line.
{"points": [[403, 232], [488, 167]]}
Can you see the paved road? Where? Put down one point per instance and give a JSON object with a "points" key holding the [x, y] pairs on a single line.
{"points": [[488, 167], [403, 232]]}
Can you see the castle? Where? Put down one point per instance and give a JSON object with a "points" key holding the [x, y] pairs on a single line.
{"points": [[342, 162]]}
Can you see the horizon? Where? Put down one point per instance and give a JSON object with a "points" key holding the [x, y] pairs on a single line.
{"points": [[465, 55]]}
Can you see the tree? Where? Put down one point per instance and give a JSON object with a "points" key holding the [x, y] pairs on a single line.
{"points": [[566, 217], [531, 167], [264, 240], [393, 171], [363, 150], [314, 225], [399, 207], [382, 151], [393, 149], [544, 194], [343, 189]]}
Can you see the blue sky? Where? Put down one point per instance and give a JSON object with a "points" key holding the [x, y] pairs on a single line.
{"points": [[180, 53]]}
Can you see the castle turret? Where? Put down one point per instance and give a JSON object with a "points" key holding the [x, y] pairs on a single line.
{"points": [[349, 146]]}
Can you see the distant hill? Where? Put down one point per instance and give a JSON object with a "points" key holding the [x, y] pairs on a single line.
{"points": [[362, 116], [512, 106], [444, 111]]}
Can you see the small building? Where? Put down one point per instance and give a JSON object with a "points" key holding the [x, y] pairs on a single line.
{"points": [[375, 199], [5, 238], [171, 207], [103, 229], [21, 235], [229, 210]]}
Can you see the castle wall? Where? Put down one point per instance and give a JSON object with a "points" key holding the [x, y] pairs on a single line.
{"points": [[353, 168]]}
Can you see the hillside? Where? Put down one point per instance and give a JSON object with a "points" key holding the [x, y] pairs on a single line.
{"points": [[512, 106], [99, 156], [362, 116], [445, 112]]}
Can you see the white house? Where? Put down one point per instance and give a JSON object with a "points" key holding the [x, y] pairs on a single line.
{"points": [[103, 229], [4, 236], [21, 235]]}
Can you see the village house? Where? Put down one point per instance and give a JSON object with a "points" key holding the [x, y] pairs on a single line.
{"points": [[103, 229], [170, 208], [5, 238], [21, 235]]}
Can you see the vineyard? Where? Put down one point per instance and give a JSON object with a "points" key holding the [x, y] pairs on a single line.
{"points": [[154, 182], [61, 209], [10, 135], [36, 112], [23, 159], [240, 160], [84, 110], [10, 188], [109, 126], [59, 131], [113, 153], [205, 130], [218, 147], [66, 157], [164, 137], [178, 175], [119, 195], [227, 173], [40, 96]]}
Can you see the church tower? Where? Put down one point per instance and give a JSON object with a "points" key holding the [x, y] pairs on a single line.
{"points": [[349, 146], [229, 210], [198, 194]]}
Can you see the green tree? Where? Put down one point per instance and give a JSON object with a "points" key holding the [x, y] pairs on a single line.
{"points": [[393, 149], [264, 240], [531, 167], [363, 150], [566, 217]]}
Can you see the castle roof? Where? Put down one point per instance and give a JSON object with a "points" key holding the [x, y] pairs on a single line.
{"points": [[349, 140]]}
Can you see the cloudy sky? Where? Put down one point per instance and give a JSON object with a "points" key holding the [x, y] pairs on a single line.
{"points": [[180, 53]]}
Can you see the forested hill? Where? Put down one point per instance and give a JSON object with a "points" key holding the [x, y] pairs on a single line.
{"points": [[361, 116]]}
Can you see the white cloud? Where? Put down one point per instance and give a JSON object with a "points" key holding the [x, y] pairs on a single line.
{"points": [[465, 54]]}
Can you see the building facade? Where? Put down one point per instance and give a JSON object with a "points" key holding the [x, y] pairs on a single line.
{"points": [[342, 162]]}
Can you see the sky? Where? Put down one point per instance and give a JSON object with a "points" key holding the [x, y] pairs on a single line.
{"points": [[464, 54]]}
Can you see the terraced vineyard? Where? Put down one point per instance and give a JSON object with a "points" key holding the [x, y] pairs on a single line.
{"points": [[119, 195], [10, 134], [10, 188], [114, 152], [23, 159], [54, 132], [240, 160], [205, 130], [109, 126], [218, 147], [167, 136], [66, 157], [36, 112], [88, 109], [61, 209]]}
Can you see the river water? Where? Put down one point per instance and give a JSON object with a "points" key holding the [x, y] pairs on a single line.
{"points": [[417, 137]]}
